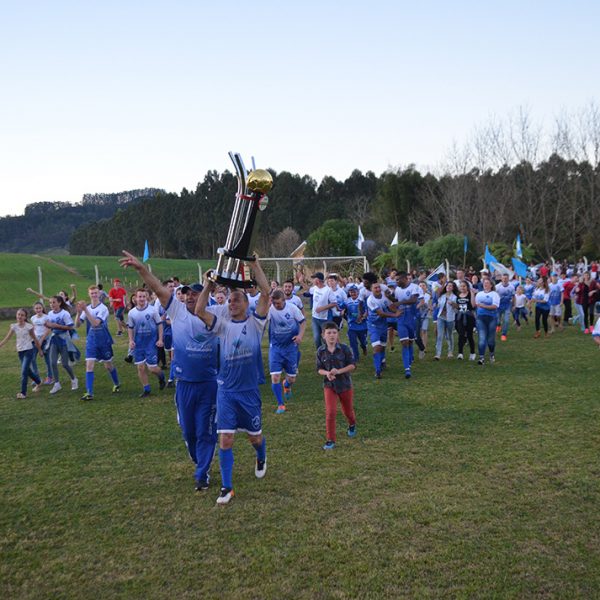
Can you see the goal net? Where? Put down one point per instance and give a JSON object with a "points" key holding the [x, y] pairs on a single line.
{"points": [[280, 269]]}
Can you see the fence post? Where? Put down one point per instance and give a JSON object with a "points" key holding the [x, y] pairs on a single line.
{"points": [[97, 275], [199, 273], [40, 281], [278, 272]]}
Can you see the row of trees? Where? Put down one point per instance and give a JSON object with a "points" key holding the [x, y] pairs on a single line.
{"points": [[510, 177]]}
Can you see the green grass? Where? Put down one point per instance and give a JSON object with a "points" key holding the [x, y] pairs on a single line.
{"points": [[465, 481], [20, 271]]}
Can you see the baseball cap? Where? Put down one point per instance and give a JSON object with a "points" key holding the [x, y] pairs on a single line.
{"points": [[318, 275], [192, 287]]}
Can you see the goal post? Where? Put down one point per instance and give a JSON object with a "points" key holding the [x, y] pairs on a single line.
{"points": [[280, 269]]}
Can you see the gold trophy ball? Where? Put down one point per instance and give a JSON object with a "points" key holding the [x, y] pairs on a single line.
{"points": [[260, 180]]}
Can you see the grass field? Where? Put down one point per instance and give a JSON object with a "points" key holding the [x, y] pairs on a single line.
{"points": [[465, 481], [20, 271]]}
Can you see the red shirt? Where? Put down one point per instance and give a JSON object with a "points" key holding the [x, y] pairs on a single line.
{"points": [[544, 271], [116, 296], [567, 288]]}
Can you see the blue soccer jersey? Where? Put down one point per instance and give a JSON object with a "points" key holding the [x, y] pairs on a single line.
{"points": [[403, 296], [528, 289], [99, 342], [144, 324], [506, 293], [60, 337], [354, 308], [241, 366], [195, 346], [284, 325], [490, 300], [295, 301], [374, 304], [555, 294]]}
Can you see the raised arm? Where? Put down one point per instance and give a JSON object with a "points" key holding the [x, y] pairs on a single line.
{"points": [[262, 306], [162, 292], [207, 317]]}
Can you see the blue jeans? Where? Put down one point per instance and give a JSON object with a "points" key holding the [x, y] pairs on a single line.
{"points": [[317, 329], [504, 317], [26, 357], [486, 333], [354, 337], [445, 329]]}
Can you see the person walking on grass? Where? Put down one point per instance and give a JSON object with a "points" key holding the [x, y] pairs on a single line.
{"points": [[487, 302], [520, 307], [506, 292], [26, 345], [465, 319], [323, 299], [98, 346], [241, 371], [447, 307], [356, 312], [335, 362], [38, 320], [60, 325], [145, 330], [541, 297]]}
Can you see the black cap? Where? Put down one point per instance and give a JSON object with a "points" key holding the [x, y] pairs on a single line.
{"points": [[318, 275], [192, 287]]}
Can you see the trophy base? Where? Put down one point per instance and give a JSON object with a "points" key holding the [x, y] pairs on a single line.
{"points": [[233, 283]]}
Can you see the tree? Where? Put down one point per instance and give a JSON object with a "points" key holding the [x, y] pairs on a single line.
{"points": [[285, 242], [335, 237]]}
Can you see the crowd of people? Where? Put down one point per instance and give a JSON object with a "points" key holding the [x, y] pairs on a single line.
{"points": [[208, 339]]}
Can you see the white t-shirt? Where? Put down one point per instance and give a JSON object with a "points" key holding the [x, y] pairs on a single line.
{"points": [[321, 297], [520, 300], [24, 339], [38, 325]]}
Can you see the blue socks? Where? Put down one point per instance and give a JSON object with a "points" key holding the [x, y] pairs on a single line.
{"points": [[411, 352], [226, 464], [171, 371], [89, 382], [406, 357], [278, 391], [146, 388], [261, 449], [114, 376]]}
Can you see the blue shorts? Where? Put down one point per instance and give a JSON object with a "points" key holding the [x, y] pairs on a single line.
{"points": [[406, 331], [378, 335], [145, 354], [119, 313], [101, 353], [283, 358], [239, 411]]}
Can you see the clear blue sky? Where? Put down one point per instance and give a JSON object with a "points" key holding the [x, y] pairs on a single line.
{"points": [[108, 96]]}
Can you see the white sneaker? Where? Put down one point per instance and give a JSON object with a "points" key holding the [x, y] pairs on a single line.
{"points": [[471, 357], [459, 357], [421, 354], [260, 472], [492, 358], [74, 383], [450, 355], [226, 496], [56, 388], [436, 357]]}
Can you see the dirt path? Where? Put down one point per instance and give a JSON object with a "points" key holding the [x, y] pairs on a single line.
{"points": [[59, 264]]}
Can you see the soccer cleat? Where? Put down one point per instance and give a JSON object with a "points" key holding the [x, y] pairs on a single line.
{"points": [[37, 387], [48, 381], [329, 445], [74, 384], [492, 358], [56, 388], [144, 394], [225, 496], [128, 359], [116, 389], [460, 356], [21, 396], [162, 384], [471, 357], [503, 338], [351, 431], [201, 485], [407, 373], [260, 469], [87, 396], [481, 361], [377, 375], [280, 409], [170, 383]]}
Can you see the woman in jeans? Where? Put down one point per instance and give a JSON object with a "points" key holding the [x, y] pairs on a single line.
{"points": [[465, 319], [60, 324], [581, 295], [447, 308], [487, 302], [541, 297]]}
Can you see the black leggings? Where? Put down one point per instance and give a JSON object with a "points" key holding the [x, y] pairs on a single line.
{"points": [[465, 325], [544, 315]]}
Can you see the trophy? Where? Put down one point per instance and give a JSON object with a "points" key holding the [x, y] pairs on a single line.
{"points": [[249, 199]]}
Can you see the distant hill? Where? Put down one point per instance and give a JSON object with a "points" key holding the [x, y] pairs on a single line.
{"points": [[47, 226]]}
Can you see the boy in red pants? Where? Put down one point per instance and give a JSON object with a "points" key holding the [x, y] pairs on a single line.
{"points": [[335, 362]]}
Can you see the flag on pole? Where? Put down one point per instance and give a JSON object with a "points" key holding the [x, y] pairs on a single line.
{"points": [[146, 252], [519, 249], [361, 239], [496, 266], [435, 274], [466, 244], [395, 240], [489, 257], [520, 267]]}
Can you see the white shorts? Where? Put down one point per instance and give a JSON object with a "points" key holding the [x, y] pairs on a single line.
{"points": [[556, 311]]}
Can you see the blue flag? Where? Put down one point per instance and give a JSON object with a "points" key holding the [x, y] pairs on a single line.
{"points": [[146, 252], [520, 267], [466, 244], [489, 257], [519, 250]]}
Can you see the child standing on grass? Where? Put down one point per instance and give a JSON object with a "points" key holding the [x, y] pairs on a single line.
{"points": [[335, 362], [26, 347], [38, 320]]}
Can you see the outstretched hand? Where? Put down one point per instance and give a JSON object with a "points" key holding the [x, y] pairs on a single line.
{"points": [[129, 260]]}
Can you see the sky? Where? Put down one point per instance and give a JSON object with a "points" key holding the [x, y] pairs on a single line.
{"points": [[112, 96]]}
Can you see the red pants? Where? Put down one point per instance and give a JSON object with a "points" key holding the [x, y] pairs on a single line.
{"points": [[331, 397]]}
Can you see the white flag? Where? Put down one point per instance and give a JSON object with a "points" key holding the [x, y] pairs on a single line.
{"points": [[361, 239], [395, 240]]}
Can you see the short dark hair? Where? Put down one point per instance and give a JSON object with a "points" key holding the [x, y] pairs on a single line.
{"points": [[289, 281], [330, 325], [369, 276], [278, 295]]}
